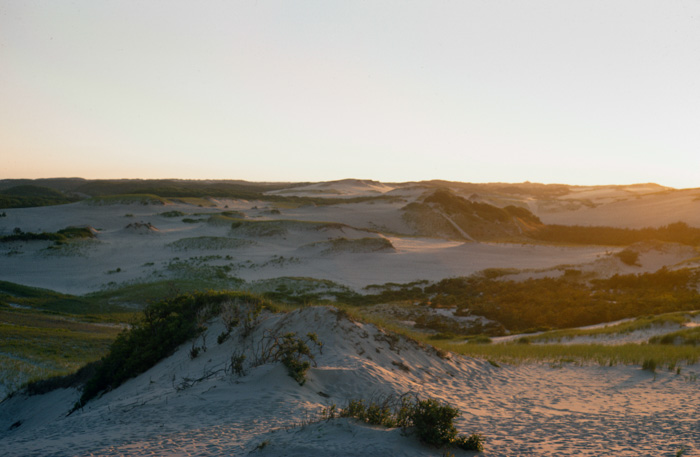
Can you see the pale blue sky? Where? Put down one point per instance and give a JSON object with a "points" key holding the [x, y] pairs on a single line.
{"points": [[579, 92]]}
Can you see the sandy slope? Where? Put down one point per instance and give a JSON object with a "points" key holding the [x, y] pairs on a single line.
{"points": [[522, 410]]}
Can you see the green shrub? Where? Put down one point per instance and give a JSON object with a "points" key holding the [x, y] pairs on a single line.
{"points": [[474, 442], [432, 421], [172, 214], [223, 336], [237, 361], [292, 351]]}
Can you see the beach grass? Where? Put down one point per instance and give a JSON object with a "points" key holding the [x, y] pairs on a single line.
{"points": [[688, 336], [668, 356]]}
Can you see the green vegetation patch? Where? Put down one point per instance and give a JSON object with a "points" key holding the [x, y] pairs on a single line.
{"points": [[280, 227], [173, 213], [301, 291], [61, 236], [208, 243], [356, 245], [139, 294], [127, 199], [195, 201]]}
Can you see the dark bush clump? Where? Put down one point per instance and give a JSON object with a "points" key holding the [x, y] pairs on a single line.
{"points": [[629, 257], [434, 422], [431, 421]]}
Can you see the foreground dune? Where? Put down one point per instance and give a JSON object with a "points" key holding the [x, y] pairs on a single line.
{"points": [[195, 407]]}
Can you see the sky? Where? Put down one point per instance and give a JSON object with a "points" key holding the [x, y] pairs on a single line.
{"points": [[579, 92]]}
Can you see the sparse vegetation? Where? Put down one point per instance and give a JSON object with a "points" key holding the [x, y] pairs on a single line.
{"points": [[208, 242], [173, 213], [294, 353]]}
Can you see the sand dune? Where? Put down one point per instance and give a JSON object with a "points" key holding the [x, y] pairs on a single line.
{"points": [[521, 410]]}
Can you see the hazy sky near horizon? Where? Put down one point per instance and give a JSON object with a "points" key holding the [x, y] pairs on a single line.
{"points": [[577, 92]]}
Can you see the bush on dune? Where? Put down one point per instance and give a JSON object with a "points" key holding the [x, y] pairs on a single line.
{"points": [[431, 420], [162, 328]]}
